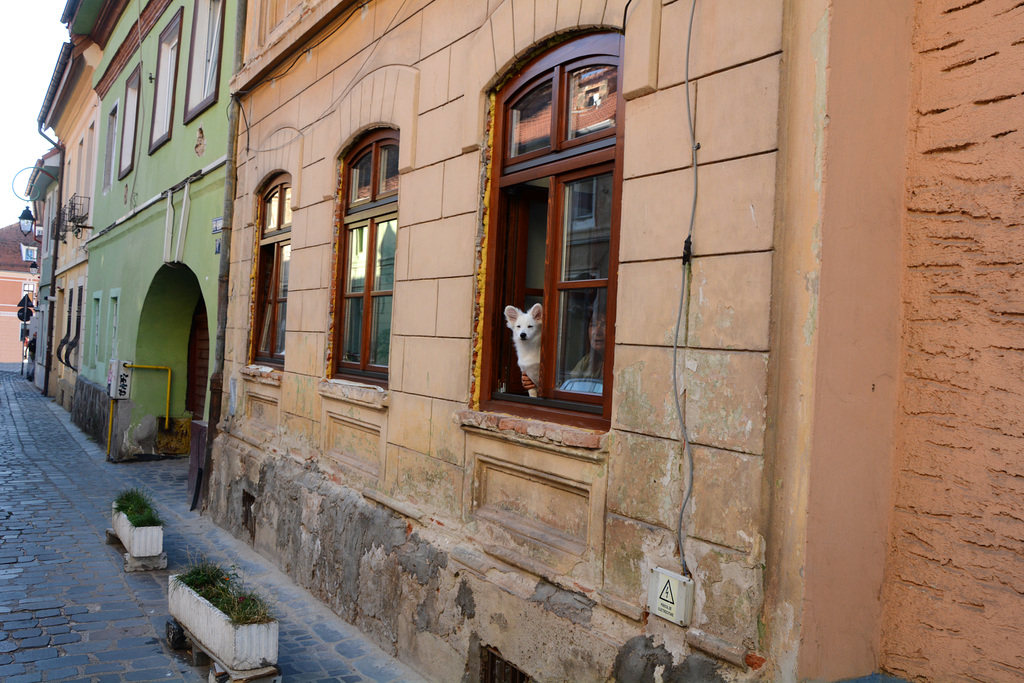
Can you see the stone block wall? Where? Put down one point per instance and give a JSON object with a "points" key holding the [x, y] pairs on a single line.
{"points": [[350, 479]]}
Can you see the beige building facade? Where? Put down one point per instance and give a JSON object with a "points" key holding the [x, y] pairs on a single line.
{"points": [[407, 169]]}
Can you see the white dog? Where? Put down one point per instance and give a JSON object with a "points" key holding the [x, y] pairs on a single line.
{"points": [[526, 336]]}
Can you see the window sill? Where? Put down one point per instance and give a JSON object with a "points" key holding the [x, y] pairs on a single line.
{"points": [[262, 374], [575, 441], [354, 392]]}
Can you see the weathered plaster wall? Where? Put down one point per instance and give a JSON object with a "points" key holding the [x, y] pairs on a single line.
{"points": [[552, 526], [956, 573]]}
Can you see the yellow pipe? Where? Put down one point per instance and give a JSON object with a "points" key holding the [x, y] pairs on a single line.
{"points": [[167, 414], [110, 426]]}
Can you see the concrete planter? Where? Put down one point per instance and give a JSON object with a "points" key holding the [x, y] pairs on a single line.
{"points": [[144, 544], [241, 647]]}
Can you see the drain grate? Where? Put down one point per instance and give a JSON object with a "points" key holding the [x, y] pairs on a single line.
{"points": [[494, 669]]}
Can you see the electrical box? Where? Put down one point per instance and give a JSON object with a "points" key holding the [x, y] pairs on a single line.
{"points": [[670, 596], [119, 379]]}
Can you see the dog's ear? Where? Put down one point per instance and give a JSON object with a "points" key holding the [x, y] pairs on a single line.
{"points": [[511, 313], [536, 312]]}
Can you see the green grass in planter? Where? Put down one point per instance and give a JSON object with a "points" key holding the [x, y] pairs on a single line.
{"points": [[226, 592], [137, 506]]}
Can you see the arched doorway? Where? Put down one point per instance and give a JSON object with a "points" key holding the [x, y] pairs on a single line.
{"points": [[173, 333]]}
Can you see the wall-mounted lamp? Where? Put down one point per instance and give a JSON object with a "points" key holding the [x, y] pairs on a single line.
{"points": [[33, 268], [27, 221]]}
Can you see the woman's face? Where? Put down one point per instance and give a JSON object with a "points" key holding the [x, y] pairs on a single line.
{"points": [[597, 329]]}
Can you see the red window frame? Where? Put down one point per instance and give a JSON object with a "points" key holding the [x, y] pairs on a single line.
{"points": [[559, 163], [379, 208]]}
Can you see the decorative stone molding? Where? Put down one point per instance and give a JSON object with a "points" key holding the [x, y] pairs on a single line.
{"points": [[571, 441], [387, 97]]}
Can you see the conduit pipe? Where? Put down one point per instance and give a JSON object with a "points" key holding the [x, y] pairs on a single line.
{"points": [[224, 273], [167, 413]]}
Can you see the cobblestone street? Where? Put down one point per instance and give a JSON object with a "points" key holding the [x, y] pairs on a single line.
{"points": [[68, 611]]}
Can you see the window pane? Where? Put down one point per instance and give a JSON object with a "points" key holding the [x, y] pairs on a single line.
{"points": [[530, 121], [270, 213], [592, 97], [212, 47], [581, 340], [353, 330], [266, 267], [380, 330], [587, 228], [282, 277], [282, 315], [384, 271], [287, 207], [360, 179], [355, 279], [388, 169]]}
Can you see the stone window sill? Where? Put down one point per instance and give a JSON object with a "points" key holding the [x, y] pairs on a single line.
{"points": [[262, 374], [354, 392], [585, 443]]}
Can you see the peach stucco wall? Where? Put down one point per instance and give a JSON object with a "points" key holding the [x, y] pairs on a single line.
{"points": [[955, 576]]}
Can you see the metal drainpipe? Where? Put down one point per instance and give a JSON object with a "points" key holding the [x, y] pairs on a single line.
{"points": [[223, 276], [53, 264]]}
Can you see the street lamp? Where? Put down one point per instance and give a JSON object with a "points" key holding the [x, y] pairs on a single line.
{"points": [[33, 268], [27, 220]]}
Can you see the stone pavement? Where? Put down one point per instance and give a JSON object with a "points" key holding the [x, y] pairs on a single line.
{"points": [[68, 611]]}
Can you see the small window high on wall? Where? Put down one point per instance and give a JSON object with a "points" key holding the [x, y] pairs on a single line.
{"points": [[366, 272], [166, 79], [204, 56], [553, 231], [273, 260]]}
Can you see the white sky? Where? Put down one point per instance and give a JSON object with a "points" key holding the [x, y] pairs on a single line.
{"points": [[30, 38]]}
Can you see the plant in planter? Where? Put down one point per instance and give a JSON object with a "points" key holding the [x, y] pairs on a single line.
{"points": [[140, 530], [232, 623]]}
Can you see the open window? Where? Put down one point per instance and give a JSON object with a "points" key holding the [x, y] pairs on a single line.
{"points": [[553, 232], [166, 79], [204, 57], [273, 259], [131, 123], [366, 272]]}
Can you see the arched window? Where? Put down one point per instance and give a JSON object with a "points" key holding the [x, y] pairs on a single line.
{"points": [[366, 273], [553, 232], [275, 228]]}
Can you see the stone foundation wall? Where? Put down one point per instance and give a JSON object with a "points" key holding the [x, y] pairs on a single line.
{"points": [[90, 410], [421, 593]]}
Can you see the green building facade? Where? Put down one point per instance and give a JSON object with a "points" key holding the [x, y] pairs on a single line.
{"points": [[159, 196]]}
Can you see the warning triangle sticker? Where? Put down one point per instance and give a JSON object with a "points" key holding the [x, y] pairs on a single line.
{"points": [[666, 594]]}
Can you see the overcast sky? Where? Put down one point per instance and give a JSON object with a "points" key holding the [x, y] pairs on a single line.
{"points": [[30, 38]]}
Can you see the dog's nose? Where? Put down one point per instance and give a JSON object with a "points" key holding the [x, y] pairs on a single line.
{"points": [[522, 335]]}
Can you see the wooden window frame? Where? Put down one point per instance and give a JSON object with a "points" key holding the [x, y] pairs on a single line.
{"points": [[130, 128], [194, 109], [269, 243], [173, 27], [563, 161], [378, 208]]}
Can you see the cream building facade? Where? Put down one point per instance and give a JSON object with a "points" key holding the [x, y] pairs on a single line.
{"points": [[377, 440]]}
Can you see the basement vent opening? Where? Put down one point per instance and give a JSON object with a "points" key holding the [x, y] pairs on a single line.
{"points": [[248, 515], [494, 669]]}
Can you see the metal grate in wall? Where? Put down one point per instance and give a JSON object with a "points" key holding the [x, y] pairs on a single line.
{"points": [[494, 669]]}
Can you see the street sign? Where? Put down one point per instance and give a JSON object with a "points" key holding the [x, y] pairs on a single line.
{"points": [[25, 308]]}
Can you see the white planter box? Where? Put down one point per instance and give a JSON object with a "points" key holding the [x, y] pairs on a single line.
{"points": [[241, 647], [139, 541]]}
